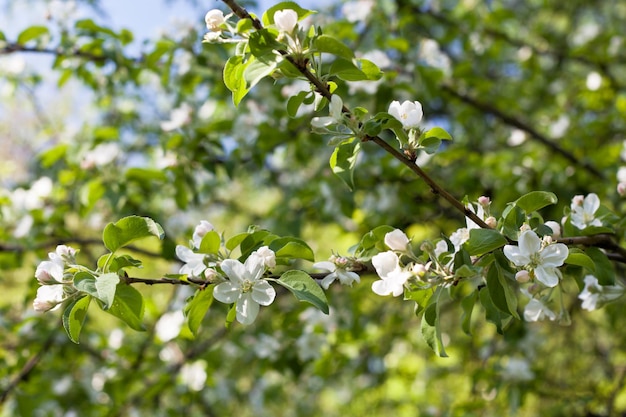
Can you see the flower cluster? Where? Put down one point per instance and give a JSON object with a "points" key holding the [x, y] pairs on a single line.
{"points": [[55, 284], [340, 268]]}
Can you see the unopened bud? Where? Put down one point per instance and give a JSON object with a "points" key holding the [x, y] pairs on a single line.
{"points": [[210, 275], [621, 189], [522, 276], [491, 222], [484, 201], [555, 227]]}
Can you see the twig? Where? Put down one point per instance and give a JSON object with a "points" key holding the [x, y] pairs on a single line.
{"points": [[4, 247]]}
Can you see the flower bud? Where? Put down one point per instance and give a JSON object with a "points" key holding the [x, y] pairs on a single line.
{"points": [[419, 270], [211, 275], [286, 20], [409, 113], [522, 276], [556, 228], [214, 19], [621, 189], [397, 240], [484, 201], [491, 222], [49, 272], [578, 200]]}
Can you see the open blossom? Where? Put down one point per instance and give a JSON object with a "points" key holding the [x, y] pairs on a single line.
{"points": [[397, 240], [245, 287], [409, 113], [337, 271], [286, 20], [267, 255], [535, 310], [194, 262], [49, 297], [51, 272], [583, 211], [214, 19], [542, 261], [392, 276], [594, 294], [336, 113], [200, 231]]}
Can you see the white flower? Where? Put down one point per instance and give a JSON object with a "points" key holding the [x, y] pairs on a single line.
{"points": [[621, 189], [286, 20], [49, 297], [194, 375], [336, 272], [397, 240], [393, 277], [535, 310], [267, 255], [169, 325], [583, 212], [50, 272], [459, 237], [336, 113], [214, 19], [246, 288], [556, 228], [101, 155], [66, 253], [200, 231], [594, 294], [194, 262], [409, 113], [542, 261]]}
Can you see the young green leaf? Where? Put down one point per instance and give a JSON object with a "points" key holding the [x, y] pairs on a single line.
{"points": [[535, 200], [197, 307], [431, 330], [291, 247], [106, 285], [331, 45], [482, 241], [128, 306], [343, 161], [74, 317], [304, 288], [31, 33], [127, 230], [211, 243]]}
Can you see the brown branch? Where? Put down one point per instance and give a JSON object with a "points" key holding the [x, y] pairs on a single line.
{"points": [[603, 240], [512, 121], [4, 247]]}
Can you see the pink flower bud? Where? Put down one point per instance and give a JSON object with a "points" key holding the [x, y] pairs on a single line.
{"points": [[491, 222], [484, 201], [578, 200], [522, 276], [621, 189]]}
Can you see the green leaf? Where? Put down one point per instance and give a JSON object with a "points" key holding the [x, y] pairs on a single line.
{"points": [[234, 78], [370, 69], [347, 70], [235, 241], [331, 45], [373, 241], [31, 33], [230, 317], [257, 70], [343, 161], [437, 132], [482, 241], [262, 44], [536, 200], [513, 218], [430, 145], [128, 306], [304, 288], [431, 330], [294, 102], [118, 263], [421, 298], [501, 293], [123, 232], [85, 282], [106, 285], [467, 304], [144, 175], [197, 307], [74, 317], [492, 313], [52, 155], [291, 247], [604, 269], [211, 243], [580, 258]]}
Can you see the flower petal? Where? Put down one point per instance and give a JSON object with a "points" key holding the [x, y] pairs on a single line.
{"points": [[234, 269], [247, 309], [385, 263], [263, 293], [226, 292], [514, 255], [554, 255], [529, 243], [547, 276], [380, 287], [328, 279], [325, 265], [591, 203]]}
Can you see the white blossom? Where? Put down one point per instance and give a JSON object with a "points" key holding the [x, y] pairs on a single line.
{"points": [[214, 20], [409, 113], [392, 276], [555, 227], [595, 295], [194, 375], [397, 240], [542, 261], [169, 325], [286, 20], [194, 262], [337, 271], [245, 287], [49, 297], [583, 211], [101, 155], [535, 310], [336, 114]]}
